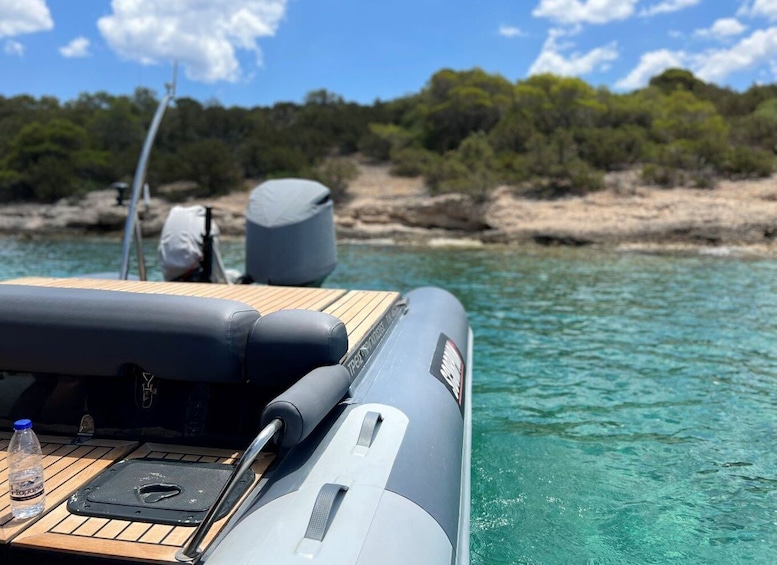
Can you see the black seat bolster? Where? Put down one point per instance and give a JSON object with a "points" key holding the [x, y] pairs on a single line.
{"points": [[307, 402], [100, 332], [286, 345]]}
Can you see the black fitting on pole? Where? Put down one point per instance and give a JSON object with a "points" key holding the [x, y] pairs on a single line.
{"points": [[207, 247]]}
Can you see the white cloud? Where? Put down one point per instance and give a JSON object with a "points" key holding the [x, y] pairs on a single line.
{"points": [[762, 8], [759, 48], [552, 60], [12, 47], [203, 36], [713, 65], [722, 28], [18, 17], [589, 11], [509, 31], [667, 6], [651, 64], [79, 47]]}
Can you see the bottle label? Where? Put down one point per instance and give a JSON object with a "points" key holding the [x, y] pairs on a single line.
{"points": [[27, 490]]}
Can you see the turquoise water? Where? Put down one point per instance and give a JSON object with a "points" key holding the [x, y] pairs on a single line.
{"points": [[625, 405]]}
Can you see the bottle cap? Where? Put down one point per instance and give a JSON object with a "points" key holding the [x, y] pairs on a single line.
{"points": [[22, 424]]}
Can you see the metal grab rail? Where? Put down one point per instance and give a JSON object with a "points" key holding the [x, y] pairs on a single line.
{"points": [[191, 551], [131, 226]]}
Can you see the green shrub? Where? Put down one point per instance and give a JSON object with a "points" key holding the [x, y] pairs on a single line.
{"points": [[449, 174], [210, 164], [748, 162], [512, 132], [166, 168], [574, 177], [684, 162], [703, 178], [261, 158], [52, 178], [11, 185], [374, 146], [335, 173], [412, 161], [666, 177], [469, 170], [514, 167], [755, 131], [582, 177], [381, 139], [555, 168], [611, 148]]}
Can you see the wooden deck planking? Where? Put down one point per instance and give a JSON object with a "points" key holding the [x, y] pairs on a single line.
{"points": [[66, 468], [156, 533], [362, 310], [371, 315], [4, 459], [264, 299], [91, 527], [110, 529], [70, 524], [114, 548], [61, 531]]}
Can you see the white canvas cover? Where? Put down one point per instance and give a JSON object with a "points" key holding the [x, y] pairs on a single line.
{"points": [[180, 246]]}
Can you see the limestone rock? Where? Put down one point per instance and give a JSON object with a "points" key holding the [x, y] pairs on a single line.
{"points": [[386, 208]]}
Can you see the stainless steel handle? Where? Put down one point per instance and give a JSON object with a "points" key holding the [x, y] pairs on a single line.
{"points": [[191, 551]]}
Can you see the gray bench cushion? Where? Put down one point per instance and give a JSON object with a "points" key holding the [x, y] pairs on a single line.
{"points": [[98, 332], [286, 345]]}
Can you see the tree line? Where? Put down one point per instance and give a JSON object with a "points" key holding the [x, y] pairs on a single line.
{"points": [[465, 131]]}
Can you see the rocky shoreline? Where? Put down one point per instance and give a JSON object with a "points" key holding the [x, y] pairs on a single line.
{"points": [[390, 209]]}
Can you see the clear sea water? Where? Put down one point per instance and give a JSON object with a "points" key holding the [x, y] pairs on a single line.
{"points": [[625, 405]]}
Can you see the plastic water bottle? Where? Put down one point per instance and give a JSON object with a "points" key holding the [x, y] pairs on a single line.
{"points": [[25, 471]]}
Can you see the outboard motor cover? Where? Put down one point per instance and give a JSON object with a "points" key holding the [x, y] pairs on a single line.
{"points": [[181, 245], [290, 233]]}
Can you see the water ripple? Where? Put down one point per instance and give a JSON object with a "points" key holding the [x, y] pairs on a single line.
{"points": [[625, 406]]}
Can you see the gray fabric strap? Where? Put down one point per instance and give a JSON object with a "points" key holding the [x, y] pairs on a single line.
{"points": [[369, 427], [322, 510]]}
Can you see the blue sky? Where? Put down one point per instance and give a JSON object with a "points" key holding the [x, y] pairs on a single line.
{"points": [[258, 52]]}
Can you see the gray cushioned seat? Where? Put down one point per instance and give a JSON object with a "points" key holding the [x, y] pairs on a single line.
{"points": [[99, 332], [72, 331]]}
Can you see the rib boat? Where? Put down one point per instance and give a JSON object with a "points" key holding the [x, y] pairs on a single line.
{"points": [[239, 423]]}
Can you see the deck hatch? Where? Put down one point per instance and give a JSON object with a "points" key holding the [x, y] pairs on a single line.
{"points": [[159, 491]]}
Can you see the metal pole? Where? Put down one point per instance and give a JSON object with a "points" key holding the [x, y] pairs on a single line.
{"points": [[139, 248], [139, 180]]}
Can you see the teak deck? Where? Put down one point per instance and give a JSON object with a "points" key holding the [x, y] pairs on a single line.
{"points": [[359, 310], [64, 464], [69, 466]]}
